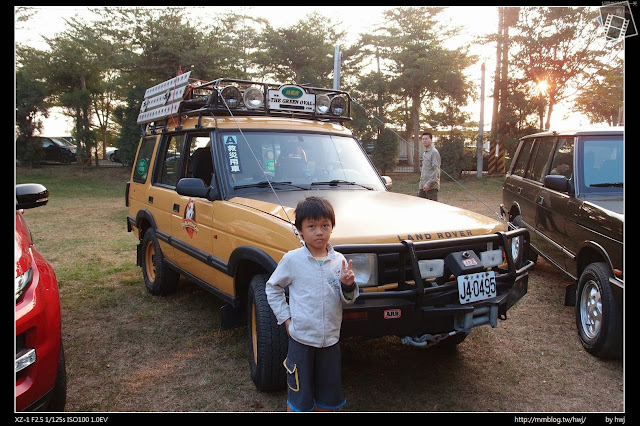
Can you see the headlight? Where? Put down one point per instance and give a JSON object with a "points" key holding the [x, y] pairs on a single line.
{"points": [[322, 104], [22, 282], [517, 246], [365, 268]]}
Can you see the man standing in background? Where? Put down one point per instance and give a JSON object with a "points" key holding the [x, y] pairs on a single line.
{"points": [[430, 171]]}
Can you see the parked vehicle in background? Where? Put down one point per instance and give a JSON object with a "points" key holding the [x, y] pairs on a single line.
{"points": [[112, 154], [218, 173], [40, 369], [566, 188], [57, 151]]}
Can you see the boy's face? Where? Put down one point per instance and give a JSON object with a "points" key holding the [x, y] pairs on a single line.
{"points": [[316, 233]]}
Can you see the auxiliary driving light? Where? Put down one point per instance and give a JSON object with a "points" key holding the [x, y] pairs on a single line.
{"points": [[322, 104], [231, 96], [253, 98], [338, 105]]}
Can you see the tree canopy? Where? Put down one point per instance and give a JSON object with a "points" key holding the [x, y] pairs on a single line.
{"points": [[403, 75]]}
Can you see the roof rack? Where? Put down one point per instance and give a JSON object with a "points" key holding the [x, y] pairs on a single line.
{"points": [[227, 96]]}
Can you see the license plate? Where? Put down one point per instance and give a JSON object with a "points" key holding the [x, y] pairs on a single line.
{"points": [[478, 286]]}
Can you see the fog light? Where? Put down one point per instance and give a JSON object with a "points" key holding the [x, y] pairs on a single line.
{"points": [[25, 358]]}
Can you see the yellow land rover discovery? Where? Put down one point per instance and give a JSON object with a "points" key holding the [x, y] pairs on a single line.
{"points": [[218, 172]]}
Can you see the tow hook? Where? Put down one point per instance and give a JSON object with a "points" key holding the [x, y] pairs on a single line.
{"points": [[426, 340]]}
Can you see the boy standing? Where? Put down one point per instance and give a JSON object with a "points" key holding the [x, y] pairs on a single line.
{"points": [[319, 281]]}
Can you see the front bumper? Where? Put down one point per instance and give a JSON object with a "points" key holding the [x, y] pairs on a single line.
{"points": [[417, 306]]}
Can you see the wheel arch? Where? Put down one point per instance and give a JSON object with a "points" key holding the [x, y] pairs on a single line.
{"points": [[144, 220], [244, 263]]}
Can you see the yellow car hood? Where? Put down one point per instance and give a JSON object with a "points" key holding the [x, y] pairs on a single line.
{"points": [[364, 216]]}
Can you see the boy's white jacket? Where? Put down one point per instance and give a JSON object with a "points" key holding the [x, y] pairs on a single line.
{"points": [[315, 296]]}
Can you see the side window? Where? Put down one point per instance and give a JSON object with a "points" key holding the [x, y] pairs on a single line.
{"points": [[141, 169], [520, 164], [541, 154], [171, 165], [562, 163], [200, 159]]}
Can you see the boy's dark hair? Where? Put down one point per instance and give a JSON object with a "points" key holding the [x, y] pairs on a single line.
{"points": [[427, 133], [314, 208]]}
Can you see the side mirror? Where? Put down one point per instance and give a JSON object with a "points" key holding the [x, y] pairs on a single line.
{"points": [[558, 183], [31, 195], [387, 182], [195, 187]]}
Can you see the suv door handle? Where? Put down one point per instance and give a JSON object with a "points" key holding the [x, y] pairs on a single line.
{"points": [[540, 199], [176, 207]]}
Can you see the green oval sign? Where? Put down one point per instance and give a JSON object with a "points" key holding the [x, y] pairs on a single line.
{"points": [[292, 92]]}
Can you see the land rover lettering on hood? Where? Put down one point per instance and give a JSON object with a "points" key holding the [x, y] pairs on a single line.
{"points": [[219, 170]]}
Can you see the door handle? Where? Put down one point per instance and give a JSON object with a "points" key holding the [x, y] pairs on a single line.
{"points": [[176, 208]]}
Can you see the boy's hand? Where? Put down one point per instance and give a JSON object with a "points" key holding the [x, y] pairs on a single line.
{"points": [[347, 277]]}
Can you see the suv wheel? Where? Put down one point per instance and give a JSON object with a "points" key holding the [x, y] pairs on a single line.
{"points": [[517, 245], [597, 316], [158, 276], [268, 341]]}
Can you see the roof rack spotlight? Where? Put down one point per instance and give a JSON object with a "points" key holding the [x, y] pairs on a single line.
{"points": [[322, 104], [231, 96], [253, 98], [338, 105]]}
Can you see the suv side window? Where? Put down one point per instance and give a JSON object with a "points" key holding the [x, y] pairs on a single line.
{"points": [[141, 169], [562, 163], [520, 165], [171, 160], [540, 155]]}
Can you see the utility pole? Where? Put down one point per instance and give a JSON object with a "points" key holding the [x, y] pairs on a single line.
{"points": [[337, 59], [479, 143]]}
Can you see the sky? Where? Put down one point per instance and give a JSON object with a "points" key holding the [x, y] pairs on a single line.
{"points": [[477, 20]]}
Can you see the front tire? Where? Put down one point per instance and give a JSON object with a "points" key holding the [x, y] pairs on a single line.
{"points": [[159, 278], [598, 317], [268, 341]]}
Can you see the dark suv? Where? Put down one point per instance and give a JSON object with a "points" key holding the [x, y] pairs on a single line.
{"points": [[566, 188]]}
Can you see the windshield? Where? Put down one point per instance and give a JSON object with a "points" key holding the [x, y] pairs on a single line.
{"points": [[298, 160], [602, 161]]}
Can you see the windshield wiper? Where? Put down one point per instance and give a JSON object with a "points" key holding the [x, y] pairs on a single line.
{"points": [[337, 182], [266, 183], [606, 185]]}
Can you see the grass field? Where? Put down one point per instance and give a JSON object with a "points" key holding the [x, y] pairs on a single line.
{"points": [[128, 351]]}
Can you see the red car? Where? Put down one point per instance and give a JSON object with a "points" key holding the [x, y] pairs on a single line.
{"points": [[41, 377]]}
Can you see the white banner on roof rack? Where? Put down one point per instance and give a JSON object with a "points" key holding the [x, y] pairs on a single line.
{"points": [[171, 84], [164, 99]]}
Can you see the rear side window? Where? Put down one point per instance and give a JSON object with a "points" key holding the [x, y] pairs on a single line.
{"points": [[541, 154], [141, 168], [520, 163]]}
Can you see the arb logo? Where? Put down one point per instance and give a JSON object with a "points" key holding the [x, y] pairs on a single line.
{"points": [[392, 313]]}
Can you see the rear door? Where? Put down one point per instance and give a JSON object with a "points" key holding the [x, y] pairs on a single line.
{"points": [[555, 207]]}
